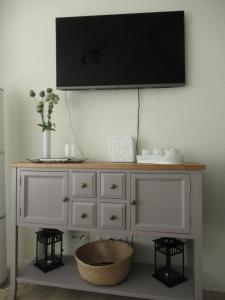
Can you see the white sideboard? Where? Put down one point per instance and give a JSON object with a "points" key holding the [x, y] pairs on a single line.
{"points": [[126, 198]]}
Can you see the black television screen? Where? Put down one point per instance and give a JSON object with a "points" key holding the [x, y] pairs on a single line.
{"points": [[120, 51]]}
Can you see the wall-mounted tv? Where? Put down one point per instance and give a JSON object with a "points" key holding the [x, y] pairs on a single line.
{"points": [[120, 51]]}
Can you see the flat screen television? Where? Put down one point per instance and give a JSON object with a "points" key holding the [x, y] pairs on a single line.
{"points": [[120, 51]]}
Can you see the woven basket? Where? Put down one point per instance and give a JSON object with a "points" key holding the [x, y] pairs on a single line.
{"points": [[104, 262]]}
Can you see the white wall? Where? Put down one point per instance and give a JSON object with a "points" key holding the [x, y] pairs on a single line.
{"points": [[191, 118]]}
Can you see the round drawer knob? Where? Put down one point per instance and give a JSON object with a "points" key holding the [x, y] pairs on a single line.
{"points": [[65, 199], [112, 217], [83, 185], [112, 186], [83, 215], [133, 202]]}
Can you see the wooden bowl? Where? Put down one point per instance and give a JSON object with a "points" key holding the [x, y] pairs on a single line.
{"points": [[104, 262]]}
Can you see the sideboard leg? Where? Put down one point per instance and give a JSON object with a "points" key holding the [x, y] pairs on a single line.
{"points": [[198, 269], [14, 236], [14, 264]]}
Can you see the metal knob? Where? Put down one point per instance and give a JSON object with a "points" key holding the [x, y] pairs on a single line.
{"points": [[83, 215], [83, 185], [112, 217], [65, 199], [112, 186], [133, 202]]}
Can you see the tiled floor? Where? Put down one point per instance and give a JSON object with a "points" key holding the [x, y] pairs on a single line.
{"points": [[33, 292]]}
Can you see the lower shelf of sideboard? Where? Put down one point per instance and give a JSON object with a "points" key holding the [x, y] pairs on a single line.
{"points": [[139, 284]]}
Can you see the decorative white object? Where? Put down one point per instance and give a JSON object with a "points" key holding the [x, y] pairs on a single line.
{"points": [[160, 156], [122, 149], [47, 144], [69, 149], [145, 152], [171, 154]]}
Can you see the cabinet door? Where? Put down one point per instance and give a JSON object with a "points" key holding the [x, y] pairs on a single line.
{"points": [[44, 197], [160, 202]]}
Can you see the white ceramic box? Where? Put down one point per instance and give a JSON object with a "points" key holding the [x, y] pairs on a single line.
{"points": [[122, 149]]}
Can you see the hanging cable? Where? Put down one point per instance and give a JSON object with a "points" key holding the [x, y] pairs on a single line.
{"points": [[138, 121], [71, 125], [69, 115]]}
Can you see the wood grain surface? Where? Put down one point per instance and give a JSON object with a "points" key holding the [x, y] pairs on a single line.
{"points": [[110, 165]]}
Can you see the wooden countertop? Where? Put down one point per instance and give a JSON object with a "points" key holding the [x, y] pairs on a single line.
{"points": [[110, 165]]}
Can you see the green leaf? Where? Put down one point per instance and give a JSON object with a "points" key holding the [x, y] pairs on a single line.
{"points": [[41, 108]]}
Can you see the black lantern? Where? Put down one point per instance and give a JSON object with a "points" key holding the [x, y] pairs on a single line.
{"points": [[49, 249], [169, 247]]}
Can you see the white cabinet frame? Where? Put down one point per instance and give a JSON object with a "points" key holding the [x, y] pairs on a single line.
{"points": [[140, 283]]}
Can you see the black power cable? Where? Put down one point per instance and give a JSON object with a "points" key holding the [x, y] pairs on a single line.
{"points": [[138, 121]]}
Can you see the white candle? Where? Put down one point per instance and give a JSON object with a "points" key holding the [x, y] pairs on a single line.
{"points": [[67, 150], [72, 150]]}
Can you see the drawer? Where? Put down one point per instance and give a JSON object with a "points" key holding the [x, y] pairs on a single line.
{"points": [[83, 184], [112, 215], [113, 185], [84, 214]]}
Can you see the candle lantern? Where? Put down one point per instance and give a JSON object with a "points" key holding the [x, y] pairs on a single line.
{"points": [[49, 249], [167, 274]]}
